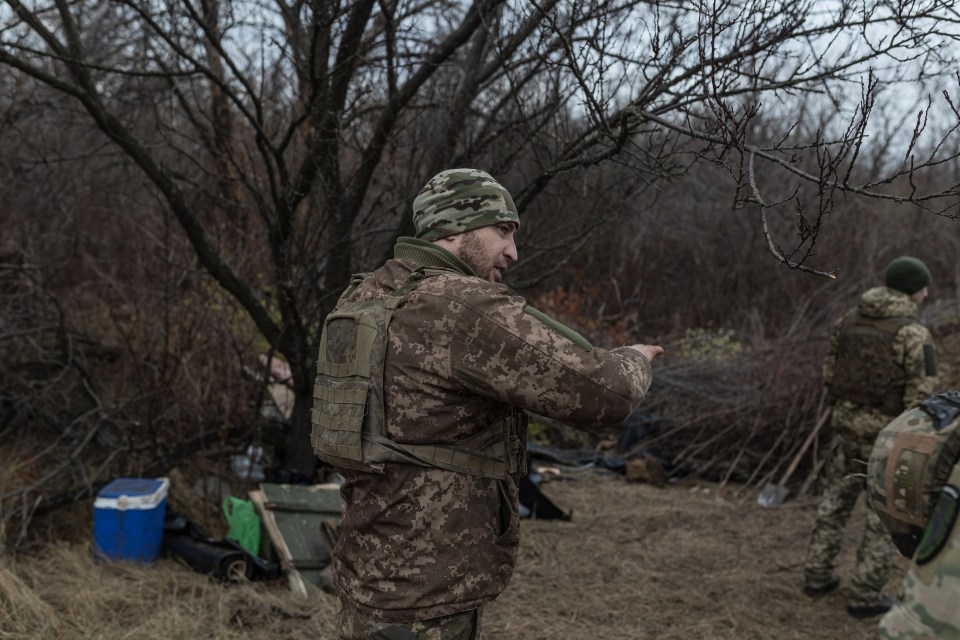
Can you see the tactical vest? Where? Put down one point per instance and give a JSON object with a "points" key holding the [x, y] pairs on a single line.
{"points": [[865, 371], [348, 419]]}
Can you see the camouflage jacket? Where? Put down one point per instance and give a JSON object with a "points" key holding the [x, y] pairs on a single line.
{"points": [[928, 604], [913, 351], [419, 542]]}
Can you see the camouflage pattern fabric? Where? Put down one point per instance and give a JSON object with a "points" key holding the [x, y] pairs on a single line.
{"points": [[911, 460], [418, 542], [352, 625], [855, 427], [928, 604], [912, 349], [458, 200], [845, 482]]}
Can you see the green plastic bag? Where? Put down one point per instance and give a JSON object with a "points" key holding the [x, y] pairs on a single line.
{"points": [[244, 523]]}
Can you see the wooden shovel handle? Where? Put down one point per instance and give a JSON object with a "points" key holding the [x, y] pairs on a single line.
{"points": [[806, 444]]}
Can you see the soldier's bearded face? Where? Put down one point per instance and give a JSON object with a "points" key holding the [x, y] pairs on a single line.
{"points": [[488, 250]]}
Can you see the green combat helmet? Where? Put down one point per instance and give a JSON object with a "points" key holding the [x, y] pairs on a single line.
{"points": [[910, 462]]}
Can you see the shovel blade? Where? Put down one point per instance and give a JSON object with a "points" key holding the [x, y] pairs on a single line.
{"points": [[772, 496]]}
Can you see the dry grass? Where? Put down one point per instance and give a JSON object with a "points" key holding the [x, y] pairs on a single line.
{"points": [[682, 562], [22, 610], [636, 562], [79, 598]]}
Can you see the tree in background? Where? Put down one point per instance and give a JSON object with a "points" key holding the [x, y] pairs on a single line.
{"points": [[281, 142]]}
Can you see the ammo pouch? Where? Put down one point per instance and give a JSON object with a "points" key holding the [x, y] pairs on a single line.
{"points": [[348, 420], [865, 372]]}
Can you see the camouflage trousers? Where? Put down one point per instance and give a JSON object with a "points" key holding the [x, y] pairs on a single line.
{"points": [[353, 625], [845, 482]]}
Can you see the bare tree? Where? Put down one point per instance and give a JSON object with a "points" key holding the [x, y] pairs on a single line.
{"points": [[287, 138]]}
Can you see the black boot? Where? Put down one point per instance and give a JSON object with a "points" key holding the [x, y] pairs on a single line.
{"points": [[816, 592], [882, 605]]}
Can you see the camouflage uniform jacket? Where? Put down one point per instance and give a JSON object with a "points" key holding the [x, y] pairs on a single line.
{"points": [[419, 542], [928, 604], [912, 351]]}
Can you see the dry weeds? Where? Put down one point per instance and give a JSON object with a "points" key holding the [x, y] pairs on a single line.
{"points": [[687, 561]]}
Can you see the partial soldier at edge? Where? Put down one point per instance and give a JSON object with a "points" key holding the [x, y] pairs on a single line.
{"points": [[879, 362], [913, 482]]}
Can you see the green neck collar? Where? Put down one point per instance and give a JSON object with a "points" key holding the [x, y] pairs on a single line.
{"points": [[428, 254]]}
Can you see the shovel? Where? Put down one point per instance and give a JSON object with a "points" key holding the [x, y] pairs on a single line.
{"points": [[773, 495]]}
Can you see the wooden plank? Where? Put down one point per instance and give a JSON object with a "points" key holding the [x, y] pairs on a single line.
{"points": [[295, 527], [294, 578]]}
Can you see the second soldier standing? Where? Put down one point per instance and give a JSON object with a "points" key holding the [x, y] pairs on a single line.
{"points": [[879, 362]]}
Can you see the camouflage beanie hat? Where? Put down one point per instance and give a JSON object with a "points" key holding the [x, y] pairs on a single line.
{"points": [[907, 274], [458, 200]]}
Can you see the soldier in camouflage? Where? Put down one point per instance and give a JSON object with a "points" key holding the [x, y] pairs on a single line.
{"points": [[423, 546], [913, 484], [928, 605], [879, 361]]}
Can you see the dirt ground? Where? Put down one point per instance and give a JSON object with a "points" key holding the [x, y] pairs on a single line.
{"points": [[685, 561]]}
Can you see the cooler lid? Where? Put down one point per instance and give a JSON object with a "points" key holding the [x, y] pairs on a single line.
{"points": [[132, 493]]}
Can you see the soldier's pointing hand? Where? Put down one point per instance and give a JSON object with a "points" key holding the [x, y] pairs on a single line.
{"points": [[648, 350]]}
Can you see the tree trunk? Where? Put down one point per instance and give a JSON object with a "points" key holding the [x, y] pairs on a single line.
{"points": [[298, 452]]}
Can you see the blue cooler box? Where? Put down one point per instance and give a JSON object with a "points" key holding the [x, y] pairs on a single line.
{"points": [[128, 519]]}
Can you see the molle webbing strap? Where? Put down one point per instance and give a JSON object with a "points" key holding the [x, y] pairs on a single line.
{"points": [[496, 452], [337, 418], [488, 463]]}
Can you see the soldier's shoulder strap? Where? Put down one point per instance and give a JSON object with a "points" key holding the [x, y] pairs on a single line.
{"points": [[895, 323], [355, 281], [887, 325], [415, 277], [393, 299]]}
